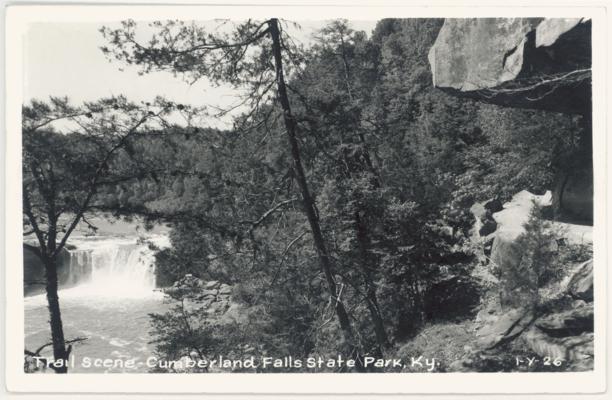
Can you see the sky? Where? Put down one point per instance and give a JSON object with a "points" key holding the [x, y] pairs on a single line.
{"points": [[64, 59]]}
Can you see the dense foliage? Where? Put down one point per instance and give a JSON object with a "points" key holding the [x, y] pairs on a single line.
{"points": [[392, 163]]}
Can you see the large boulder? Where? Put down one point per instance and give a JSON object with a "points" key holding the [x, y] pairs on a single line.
{"points": [[504, 327], [505, 61], [472, 54], [543, 345], [568, 323], [212, 285], [580, 285], [225, 289], [573, 352], [516, 212], [574, 234], [533, 63], [506, 253], [560, 324]]}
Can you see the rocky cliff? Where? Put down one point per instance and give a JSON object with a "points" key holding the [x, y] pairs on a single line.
{"points": [[551, 318], [34, 271], [209, 297], [537, 275], [532, 63], [517, 62]]}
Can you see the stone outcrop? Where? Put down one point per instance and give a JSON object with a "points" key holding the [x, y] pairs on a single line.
{"points": [[532, 63], [570, 322], [560, 326], [211, 297], [516, 61], [561, 332], [34, 271], [512, 218], [500, 248], [503, 328], [581, 284], [506, 253], [575, 352]]}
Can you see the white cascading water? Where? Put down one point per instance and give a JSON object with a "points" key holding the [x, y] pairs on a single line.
{"points": [[79, 267], [113, 267], [106, 295]]}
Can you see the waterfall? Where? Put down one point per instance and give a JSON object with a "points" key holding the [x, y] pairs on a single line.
{"points": [[112, 266], [79, 267]]}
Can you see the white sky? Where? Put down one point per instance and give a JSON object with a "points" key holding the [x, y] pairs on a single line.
{"points": [[64, 59]]}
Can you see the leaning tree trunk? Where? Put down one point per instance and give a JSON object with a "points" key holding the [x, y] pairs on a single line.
{"points": [[308, 201], [55, 316]]}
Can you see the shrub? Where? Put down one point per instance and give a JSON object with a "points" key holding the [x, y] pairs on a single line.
{"points": [[545, 258]]}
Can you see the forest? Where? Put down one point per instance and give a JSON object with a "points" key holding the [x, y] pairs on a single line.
{"points": [[335, 215]]}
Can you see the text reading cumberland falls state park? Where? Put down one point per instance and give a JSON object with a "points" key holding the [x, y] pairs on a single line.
{"points": [[420, 362]]}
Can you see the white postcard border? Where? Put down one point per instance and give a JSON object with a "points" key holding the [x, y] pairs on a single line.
{"points": [[18, 17]]}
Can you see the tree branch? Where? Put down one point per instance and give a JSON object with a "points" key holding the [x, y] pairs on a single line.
{"points": [[255, 224]]}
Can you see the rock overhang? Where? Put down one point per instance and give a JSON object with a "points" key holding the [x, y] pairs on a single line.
{"points": [[518, 62]]}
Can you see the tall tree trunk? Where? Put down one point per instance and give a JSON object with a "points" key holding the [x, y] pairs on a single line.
{"points": [[55, 317], [308, 202], [370, 287]]}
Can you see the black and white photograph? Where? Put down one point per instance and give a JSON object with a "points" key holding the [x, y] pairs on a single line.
{"points": [[307, 195]]}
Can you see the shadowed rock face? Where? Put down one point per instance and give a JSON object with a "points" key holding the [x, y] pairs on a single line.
{"points": [[573, 194], [472, 54], [581, 284], [34, 271], [532, 63], [518, 62]]}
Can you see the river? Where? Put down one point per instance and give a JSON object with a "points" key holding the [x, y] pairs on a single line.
{"points": [[112, 279]]}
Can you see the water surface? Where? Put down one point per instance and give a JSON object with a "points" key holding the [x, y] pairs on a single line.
{"points": [[113, 292]]}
